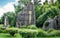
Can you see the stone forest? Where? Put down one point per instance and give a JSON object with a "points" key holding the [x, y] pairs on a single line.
{"points": [[32, 19]]}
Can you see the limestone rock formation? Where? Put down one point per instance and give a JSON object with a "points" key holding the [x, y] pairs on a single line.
{"points": [[57, 22], [52, 23], [26, 16], [5, 22], [49, 24]]}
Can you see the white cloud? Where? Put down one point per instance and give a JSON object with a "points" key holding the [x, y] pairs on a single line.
{"points": [[7, 8]]}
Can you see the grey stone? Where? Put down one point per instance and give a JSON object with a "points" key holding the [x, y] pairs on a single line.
{"points": [[26, 16], [5, 22], [49, 24], [57, 22], [53, 23]]}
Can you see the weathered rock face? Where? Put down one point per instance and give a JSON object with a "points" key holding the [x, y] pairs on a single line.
{"points": [[49, 24], [52, 23], [27, 16], [5, 22], [57, 22]]}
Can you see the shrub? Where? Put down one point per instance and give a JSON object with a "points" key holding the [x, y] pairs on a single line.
{"points": [[41, 33], [54, 33], [1, 25], [12, 31], [3, 30], [28, 33], [32, 27], [50, 30], [23, 26]]}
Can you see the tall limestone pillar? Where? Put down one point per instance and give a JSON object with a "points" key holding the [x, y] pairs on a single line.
{"points": [[31, 12], [5, 22], [26, 16]]}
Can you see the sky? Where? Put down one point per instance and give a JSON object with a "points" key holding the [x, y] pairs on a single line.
{"points": [[7, 6], [3, 2]]}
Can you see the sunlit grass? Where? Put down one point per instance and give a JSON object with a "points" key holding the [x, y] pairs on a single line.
{"points": [[6, 35], [47, 37]]}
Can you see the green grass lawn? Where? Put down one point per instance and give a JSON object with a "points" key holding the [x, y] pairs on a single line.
{"points": [[48, 37], [6, 35]]}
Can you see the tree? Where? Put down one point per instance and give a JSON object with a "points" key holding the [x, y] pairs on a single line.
{"points": [[11, 18], [21, 5], [44, 12]]}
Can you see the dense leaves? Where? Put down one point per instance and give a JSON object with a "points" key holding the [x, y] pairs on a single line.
{"points": [[11, 18], [44, 12]]}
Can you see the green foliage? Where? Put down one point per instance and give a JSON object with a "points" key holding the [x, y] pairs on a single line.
{"points": [[48, 33], [1, 25], [12, 31], [31, 33], [50, 30], [3, 30], [1, 21], [46, 11], [24, 2], [11, 18], [54, 33], [20, 5], [42, 33], [28, 33], [31, 27]]}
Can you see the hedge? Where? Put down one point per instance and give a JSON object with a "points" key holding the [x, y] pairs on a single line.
{"points": [[12, 31], [28, 33], [31, 33]]}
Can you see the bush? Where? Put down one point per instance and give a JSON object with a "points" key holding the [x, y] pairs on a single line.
{"points": [[28, 33], [41, 33], [12, 31], [32, 27], [50, 30], [1, 25], [3, 30], [54, 33]]}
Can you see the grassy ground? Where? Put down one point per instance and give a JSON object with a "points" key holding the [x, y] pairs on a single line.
{"points": [[6, 35], [48, 37]]}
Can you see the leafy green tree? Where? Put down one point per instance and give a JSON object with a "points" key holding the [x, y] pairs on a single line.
{"points": [[11, 18], [44, 12], [21, 5]]}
